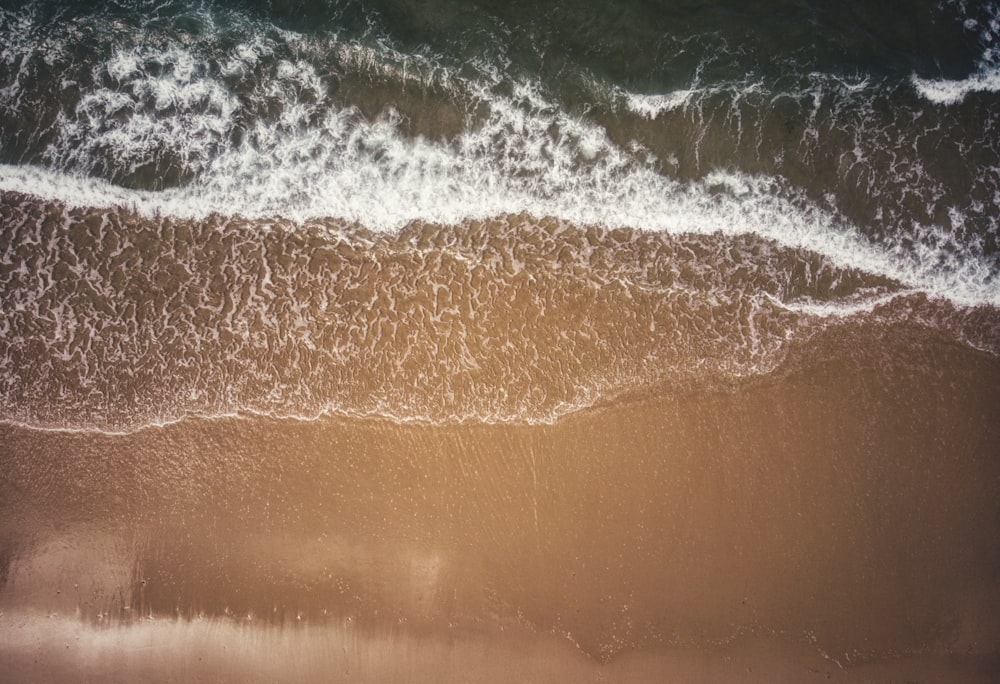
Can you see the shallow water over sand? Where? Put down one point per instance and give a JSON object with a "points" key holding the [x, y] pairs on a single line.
{"points": [[838, 518]]}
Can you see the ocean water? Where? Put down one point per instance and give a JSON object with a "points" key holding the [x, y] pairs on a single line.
{"points": [[192, 192], [428, 237]]}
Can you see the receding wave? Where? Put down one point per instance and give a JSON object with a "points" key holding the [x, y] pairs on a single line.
{"points": [[507, 319], [244, 117], [726, 203], [205, 212], [512, 319]]}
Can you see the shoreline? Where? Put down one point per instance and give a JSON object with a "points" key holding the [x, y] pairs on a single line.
{"points": [[846, 505], [181, 650]]}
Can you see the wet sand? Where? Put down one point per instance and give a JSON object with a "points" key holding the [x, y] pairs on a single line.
{"points": [[837, 520]]}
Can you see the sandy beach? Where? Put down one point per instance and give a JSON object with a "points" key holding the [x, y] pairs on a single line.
{"points": [[389, 341], [838, 520]]}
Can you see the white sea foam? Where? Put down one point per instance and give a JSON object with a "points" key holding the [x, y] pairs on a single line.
{"points": [[651, 106], [837, 309], [316, 158], [949, 92], [159, 100], [987, 75], [490, 173]]}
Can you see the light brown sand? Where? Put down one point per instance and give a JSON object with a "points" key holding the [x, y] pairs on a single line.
{"points": [[839, 521]]}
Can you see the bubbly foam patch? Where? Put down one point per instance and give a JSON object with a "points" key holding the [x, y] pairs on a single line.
{"points": [[651, 106], [148, 103], [986, 27], [725, 203], [951, 92]]}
